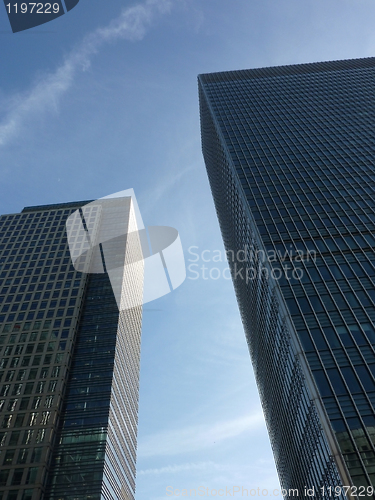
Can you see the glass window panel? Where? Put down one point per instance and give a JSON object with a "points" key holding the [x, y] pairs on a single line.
{"points": [[351, 379], [322, 383], [336, 381], [344, 336], [365, 377]]}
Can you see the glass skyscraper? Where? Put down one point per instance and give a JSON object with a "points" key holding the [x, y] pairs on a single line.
{"points": [[69, 365], [290, 155]]}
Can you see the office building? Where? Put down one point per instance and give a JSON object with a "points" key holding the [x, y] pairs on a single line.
{"points": [[290, 155], [69, 365]]}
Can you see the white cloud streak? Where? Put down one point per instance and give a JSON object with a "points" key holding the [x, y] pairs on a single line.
{"points": [[174, 469], [259, 467], [197, 437], [164, 185], [45, 95]]}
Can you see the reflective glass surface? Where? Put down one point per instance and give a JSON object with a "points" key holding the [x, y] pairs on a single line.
{"points": [[289, 153]]}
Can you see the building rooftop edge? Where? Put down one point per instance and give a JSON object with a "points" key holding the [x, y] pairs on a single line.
{"points": [[70, 204], [292, 69]]}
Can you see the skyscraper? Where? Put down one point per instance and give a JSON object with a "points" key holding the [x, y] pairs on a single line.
{"points": [[69, 366], [290, 155]]}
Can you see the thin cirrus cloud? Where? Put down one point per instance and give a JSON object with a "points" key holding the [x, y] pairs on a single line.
{"points": [[175, 469], [260, 468], [150, 197], [195, 438], [45, 95]]}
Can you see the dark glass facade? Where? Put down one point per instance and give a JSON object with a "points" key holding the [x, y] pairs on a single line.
{"points": [[290, 154], [69, 368]]}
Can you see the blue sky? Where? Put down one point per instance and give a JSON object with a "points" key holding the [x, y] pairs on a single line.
{"points": [[105, 99]]}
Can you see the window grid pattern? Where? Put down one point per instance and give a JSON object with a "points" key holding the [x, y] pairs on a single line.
{"points": [[40, 297], [69, 366], [301, 450], [298, 140], [78, 459]]}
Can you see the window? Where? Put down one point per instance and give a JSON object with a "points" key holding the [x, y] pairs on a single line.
{"points": [[52, 386], [12, 403], [48, 401], [29, 388], [365, 378], [351, 379], [36, 402], [27, 437], [4, 474], [336, 381], [19, 420], [36, 360], [316, 304], [6, 421], [36, 455], [357, 334], [45, 417], [47, 359], [14, 437], [25, 361], [22, 456], [369, 331], [344, 336], [51, 346], [40, 387], [306, 341], [21, 375], [331, 337], [17, 389], [3, 436], [29, 348], [32, 374], [40, 436], [8, 458], [319, 340], [27, 495], [18, 349], [14, 362], [32, 419], [322, 383], [17, 477], [40, 347], [9, 376], [24, 403]]}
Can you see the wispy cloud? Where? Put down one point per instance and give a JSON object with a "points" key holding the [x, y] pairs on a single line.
{"points": [[174, 469], [45, 95], [195, 438], [150, 197], [259, 466]]}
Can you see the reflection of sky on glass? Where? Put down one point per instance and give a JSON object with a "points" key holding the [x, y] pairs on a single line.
{"points": [[103, 99]]}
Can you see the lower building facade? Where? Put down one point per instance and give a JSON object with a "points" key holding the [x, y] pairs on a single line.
{"points": [[289, 156], [69, 366]]}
